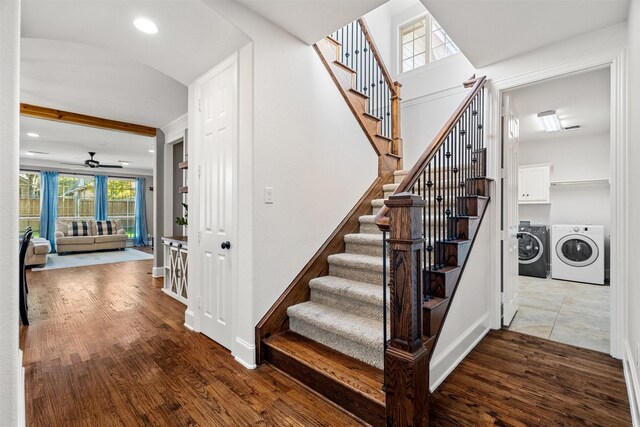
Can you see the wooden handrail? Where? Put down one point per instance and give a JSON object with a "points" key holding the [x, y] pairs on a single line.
{"points": [[376, 53], [382, 218]]}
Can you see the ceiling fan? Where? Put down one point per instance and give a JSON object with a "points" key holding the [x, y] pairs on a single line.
{"points": [[92, 163]]}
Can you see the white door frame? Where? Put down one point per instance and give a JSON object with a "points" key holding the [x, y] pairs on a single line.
{"points": [[194, 313], [616, 59]]}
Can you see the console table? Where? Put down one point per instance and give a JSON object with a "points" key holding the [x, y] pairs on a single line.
{"points": [[176, 263]]}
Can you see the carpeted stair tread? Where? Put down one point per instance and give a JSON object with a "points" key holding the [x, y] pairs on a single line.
{"points": [[344, 328], [353, 290], [362, 262]]}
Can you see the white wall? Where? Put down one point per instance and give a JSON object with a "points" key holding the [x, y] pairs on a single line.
{"points": [[633, 297], [573, 156], [11, 372], [306, 144]]}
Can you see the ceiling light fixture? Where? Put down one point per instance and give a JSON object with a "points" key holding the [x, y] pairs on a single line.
{"points": [[550, 121], [145, 25], [30, 153], [124, 163], [33, 135], [152, 151]]}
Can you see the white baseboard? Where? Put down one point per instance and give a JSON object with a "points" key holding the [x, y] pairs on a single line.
{"points": [[157, 272], [22, 410], [189, 320], [633, 385], [457, 351], [245, 353]]}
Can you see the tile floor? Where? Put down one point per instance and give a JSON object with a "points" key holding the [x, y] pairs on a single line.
{"points": [[566, 312]]}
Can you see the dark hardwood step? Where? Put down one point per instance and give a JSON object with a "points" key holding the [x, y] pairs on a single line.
{"points": [[433, 312], [348, 382], [463, 227], [478, 186], [452, 252], [471, 205], [441, 283]]}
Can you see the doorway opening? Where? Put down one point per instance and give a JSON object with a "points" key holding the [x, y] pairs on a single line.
{"points": [[556, 145]]}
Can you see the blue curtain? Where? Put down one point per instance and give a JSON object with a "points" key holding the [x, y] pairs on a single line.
{"points": [[49, 206], [101, 197], [140, 224]]}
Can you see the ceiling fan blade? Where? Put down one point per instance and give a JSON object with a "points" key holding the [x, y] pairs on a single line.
{"points": [[72, 164], [110, 166]]}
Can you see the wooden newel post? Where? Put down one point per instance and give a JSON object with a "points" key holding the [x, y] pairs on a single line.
{"points": [[396, 144], [406, 359]]}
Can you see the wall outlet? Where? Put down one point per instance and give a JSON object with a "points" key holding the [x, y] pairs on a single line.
{"points": [[268, 195]]}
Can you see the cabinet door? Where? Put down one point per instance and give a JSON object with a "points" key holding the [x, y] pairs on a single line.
{"points": [[537, 188], [522, 185]]}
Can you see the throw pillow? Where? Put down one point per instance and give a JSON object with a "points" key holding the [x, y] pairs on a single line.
{"points": [[78, 228], [106, 227]]}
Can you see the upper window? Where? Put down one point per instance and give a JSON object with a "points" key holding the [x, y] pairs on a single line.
{"points": [[419, 46]]}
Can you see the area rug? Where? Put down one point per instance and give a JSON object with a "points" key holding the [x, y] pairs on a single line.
{"points": [[56, 261]]}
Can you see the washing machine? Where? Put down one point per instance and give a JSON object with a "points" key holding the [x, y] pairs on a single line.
{"points": [[533, 250], [578, 253]]}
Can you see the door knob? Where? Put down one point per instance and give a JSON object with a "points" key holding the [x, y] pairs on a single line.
{"points": [[225, 245]]}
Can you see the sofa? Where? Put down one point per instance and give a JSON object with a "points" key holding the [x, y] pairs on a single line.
{"points": [[37, 252], [89, 235]]}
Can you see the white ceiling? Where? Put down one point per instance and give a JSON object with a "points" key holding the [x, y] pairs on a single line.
{"points": [[71, 143], [98, 82], [488, 31], [311, 20], [192, 37], [581, 99]]}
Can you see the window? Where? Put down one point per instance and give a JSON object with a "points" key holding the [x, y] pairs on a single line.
{"points": [[121, 204], [75, 197], [30, 202], [419, 47]]}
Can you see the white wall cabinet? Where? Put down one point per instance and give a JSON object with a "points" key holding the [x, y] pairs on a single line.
{"points": [[533, 184]]}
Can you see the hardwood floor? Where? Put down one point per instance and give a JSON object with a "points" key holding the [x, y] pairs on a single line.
{"points": [[107, 348], [511, 379]]}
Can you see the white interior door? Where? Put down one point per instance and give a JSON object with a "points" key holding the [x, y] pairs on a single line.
{"points": [[510, 287], [216, 166]]}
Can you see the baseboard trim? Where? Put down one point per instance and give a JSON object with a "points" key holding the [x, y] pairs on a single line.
{"points": [[22, 402], [245, 353], [157, 272], [451, 357], [189, 320], [633, 385]]}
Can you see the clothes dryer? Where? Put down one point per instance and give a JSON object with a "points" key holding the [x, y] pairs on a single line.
{"points": [[578, 253]]}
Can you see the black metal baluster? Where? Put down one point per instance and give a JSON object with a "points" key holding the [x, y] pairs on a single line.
{"points": [[429, 222]]}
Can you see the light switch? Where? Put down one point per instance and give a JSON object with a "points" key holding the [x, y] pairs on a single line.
{"points": [[268, 195]]}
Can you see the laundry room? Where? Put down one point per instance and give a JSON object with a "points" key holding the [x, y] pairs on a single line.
{"points": [[564, 211]]}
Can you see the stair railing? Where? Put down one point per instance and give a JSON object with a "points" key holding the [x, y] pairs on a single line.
{"points": [[359, 52], [421, 218]]}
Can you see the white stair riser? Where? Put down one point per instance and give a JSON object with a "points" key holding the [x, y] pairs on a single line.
{"points": [[371, 355]]}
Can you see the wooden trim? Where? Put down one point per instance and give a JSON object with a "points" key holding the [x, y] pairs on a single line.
{"points": [[393, 86], [276, 319], [81, 119], [382, 218], [183, 165]]}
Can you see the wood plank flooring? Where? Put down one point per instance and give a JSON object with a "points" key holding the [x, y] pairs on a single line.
{"points": [[107, 348], [511, 379]]}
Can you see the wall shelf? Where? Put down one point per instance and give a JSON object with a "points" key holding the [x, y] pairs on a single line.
{"points": [[183, 165], [183, 190], [582, 182]]}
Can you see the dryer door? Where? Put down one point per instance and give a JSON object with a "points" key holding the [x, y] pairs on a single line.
{"points": [[530, 248], [577, 250]]}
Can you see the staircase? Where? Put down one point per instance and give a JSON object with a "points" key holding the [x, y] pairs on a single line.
{"points": [[369, 307]]}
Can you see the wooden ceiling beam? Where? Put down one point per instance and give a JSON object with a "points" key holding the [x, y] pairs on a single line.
{"points": [[84, 120]]}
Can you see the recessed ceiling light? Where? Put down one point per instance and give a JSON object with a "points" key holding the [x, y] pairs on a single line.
{"points": [[145, 25], [124, 163], [30, 153], [152, 151], [33, 135]]}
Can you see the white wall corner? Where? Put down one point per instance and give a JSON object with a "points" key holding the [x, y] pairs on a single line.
{"points": [[157, 272], [22, 396], [245, 353], [175, 130], [189, 320], [451, 357], [633, 385]]}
